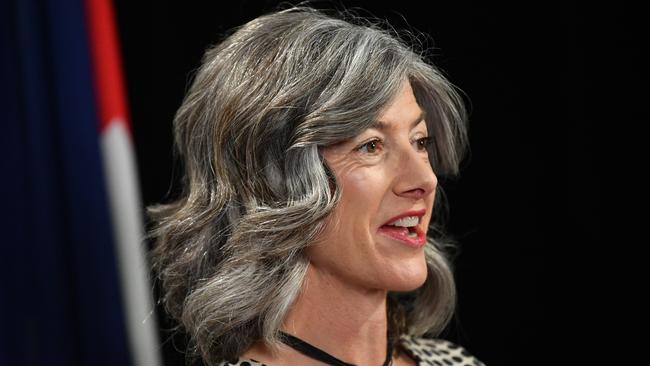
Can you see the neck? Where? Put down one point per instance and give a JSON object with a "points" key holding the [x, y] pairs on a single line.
{"points": [[347, 322]]}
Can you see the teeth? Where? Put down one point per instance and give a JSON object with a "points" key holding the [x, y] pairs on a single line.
{"points": [[406, 221]]}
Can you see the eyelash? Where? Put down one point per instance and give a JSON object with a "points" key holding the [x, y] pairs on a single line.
{"points": [[425, 142], [366, 144], [422, 142]]}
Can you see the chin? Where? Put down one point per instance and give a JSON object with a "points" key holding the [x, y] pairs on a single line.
{"points": [[407, 286], [410, 277]]}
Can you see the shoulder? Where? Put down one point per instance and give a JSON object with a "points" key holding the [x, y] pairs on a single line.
{"points": [[436, 351], [426, 351]]}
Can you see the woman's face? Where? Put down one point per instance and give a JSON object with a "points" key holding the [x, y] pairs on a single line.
{"points": [[384, 174]]}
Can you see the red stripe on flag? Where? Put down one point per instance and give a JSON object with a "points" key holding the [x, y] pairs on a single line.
{"points": [[107, 68]]}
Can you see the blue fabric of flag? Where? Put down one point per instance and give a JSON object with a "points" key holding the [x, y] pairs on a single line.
{"points": [[60, 302]]}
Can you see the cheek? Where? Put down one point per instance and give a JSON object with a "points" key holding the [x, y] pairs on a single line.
{"points": [[362, 194]]}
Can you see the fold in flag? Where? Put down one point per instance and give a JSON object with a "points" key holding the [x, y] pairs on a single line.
{"points": [[74, 276]]}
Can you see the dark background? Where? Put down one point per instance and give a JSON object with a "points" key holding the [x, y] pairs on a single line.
{"points": [[543, 83]]}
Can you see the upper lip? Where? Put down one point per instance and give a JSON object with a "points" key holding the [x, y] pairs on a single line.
{"points": [[418, 213]]}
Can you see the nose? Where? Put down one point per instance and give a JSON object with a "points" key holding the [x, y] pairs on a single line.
{"points": [[415, 179]]}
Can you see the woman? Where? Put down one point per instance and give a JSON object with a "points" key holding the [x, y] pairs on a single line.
{"points": [[310, 146]]}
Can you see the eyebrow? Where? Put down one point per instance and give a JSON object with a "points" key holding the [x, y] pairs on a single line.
{"points": [[382, 126]]}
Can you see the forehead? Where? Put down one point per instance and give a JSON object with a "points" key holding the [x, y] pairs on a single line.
{"points": [[386, 125], [402, 109]]}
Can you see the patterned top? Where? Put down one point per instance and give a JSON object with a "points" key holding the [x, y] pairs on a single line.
{"points": [[424, 351]]}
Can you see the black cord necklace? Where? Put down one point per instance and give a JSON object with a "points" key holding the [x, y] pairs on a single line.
{"points": [[320, 355]]}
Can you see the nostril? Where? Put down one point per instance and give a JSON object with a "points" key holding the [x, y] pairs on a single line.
{"points": [[417, 192]]}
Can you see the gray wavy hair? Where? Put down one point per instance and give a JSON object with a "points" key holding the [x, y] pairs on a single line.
{"points": [[229, 251]]}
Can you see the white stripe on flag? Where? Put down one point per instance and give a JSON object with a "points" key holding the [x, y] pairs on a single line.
{"points": [[126, 214]]}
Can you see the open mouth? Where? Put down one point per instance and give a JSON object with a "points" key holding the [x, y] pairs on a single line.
{"points": [[406, 230], [409, 231]]}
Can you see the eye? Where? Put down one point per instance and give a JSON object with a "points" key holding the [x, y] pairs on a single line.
{"points": [[423, 143], [370, 147]]}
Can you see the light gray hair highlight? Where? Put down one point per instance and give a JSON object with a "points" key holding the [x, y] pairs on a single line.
{"points": [[256, 190]]}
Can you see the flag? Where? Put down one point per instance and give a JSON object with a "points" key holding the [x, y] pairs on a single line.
{"points": [[74, 277], [116, 145]]}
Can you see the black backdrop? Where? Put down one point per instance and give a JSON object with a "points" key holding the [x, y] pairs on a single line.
{"points": [[528, 197]]}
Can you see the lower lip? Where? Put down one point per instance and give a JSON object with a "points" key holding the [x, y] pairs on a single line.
{"points": [[399, 235]]}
